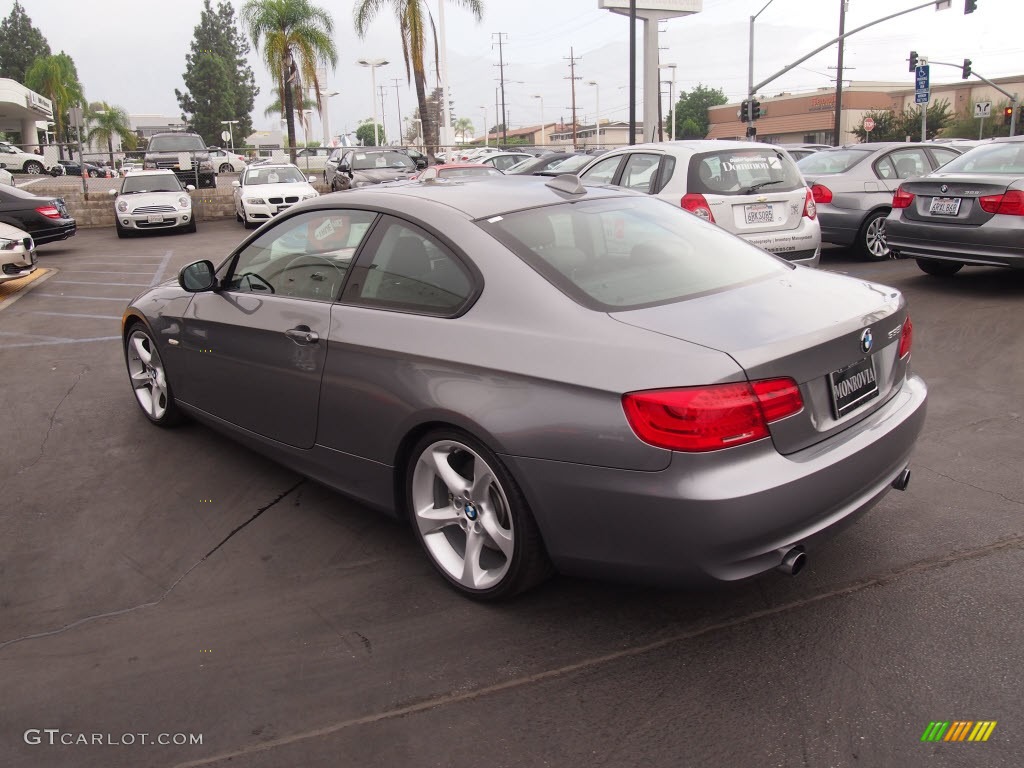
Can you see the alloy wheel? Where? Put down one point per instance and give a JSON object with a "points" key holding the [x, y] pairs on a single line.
{"points": [[148, 377], [874, 238]]}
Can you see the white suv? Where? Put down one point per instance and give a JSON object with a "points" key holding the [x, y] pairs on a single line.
{"points": [[751, 189], [16, 160]]}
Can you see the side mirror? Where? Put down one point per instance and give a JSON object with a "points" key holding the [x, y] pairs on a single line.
{"points": [[421, 163], [198, 277], [311, 179], [112, 192], [344, 167], [235, 183], [190, 187]]}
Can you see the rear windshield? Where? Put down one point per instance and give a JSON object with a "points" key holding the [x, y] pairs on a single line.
{"points": [[991, 158], [630, 252], [832, 161], [183, 143], [742, 172], [366, 161], [571, 164], [151, 182], [451, 173]]}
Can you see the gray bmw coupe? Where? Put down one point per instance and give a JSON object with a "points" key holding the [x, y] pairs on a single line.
{"points": [[543, 376]]}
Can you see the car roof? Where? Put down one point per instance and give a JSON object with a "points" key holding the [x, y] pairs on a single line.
{"points": [[486, 196], [265, 166], [159, 172], [464, 165]]}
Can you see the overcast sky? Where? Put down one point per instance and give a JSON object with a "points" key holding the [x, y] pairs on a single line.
{"points": [[132, 52]]}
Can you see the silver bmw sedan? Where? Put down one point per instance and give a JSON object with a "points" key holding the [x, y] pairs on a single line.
{"points": [[544, 377]]}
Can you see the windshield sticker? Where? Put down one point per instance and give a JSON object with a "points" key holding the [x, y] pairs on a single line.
{"points": [[360, 155], [748, 163], [324, 231], [273, 178], [380, 161], [495, 219]]}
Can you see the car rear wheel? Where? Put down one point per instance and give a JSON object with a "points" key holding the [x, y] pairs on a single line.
{"points": [[225, 168], [939, 267], [871, 238], [33, 168], [149, 378], [93, 174], [471, 518]]}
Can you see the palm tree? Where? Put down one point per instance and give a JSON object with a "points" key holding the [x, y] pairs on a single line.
{"points": [[106, 121], [412, 16], [463, 126], [296, 38], [276, 108], [55, 78]]}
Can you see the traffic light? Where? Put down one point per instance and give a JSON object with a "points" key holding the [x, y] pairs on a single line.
{"points": [[967, 69], [913, 61], [755, 109], [744, 111], [1007, 115], [970, 6]]}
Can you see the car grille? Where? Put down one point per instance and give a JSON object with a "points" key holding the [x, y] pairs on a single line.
{"points": [[280, 200], [154, 209], [166, 163], [14, 269], [155, 225], [796, 255]]}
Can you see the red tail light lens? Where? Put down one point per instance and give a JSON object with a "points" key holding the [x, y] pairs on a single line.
{"points": [[1008, 204], [907, 337], [810, 209], [821, 194], [48, 211], [698, 205], [698, 419], [902, 198]]}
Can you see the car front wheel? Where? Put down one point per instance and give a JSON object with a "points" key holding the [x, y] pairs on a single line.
{"points": [[871, 239], [33, 168], [149, 378], [939, 267], [225, 168], [471, 518]]}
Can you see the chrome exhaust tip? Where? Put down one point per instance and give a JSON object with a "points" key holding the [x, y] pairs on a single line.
{"points": [[902, 480], [793, 561]]}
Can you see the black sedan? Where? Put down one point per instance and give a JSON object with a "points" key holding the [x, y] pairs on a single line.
{"points": [[970, 211], [45, 218], [74, 168]]}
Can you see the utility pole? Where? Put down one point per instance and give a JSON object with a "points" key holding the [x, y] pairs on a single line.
{"points": [[398, 100], [632, 71], [501, 70], [383, 119], [837, 122], [572, 78]]}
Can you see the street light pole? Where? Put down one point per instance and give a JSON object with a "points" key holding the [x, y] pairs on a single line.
{"points": [[486, 136], [671, 97], [373, 64], [597, 108], [325, 115], [231, 132], [543, 138], [750, 66]]}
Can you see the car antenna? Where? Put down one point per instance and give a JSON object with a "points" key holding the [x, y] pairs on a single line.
{"points": [[566, 182]]}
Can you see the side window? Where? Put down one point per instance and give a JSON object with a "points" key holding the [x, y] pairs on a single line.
{"points": [[304, 257], [943, 156], [910, 162], [639, 171], [603, 172], [668, 167], [409, 269], [884, 168]]}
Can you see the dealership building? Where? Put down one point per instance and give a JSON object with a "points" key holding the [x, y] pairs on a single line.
{"points": [[809, 118]]}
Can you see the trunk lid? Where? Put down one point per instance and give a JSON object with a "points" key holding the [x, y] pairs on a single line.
{"points": [[948, 198], [807, 325]]}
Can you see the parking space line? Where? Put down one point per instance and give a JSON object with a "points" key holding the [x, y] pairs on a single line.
{"points": [[58, 341], [76, 314], [93, 282], [160, 270], [86, 298], [33, 335], [104, 272]]}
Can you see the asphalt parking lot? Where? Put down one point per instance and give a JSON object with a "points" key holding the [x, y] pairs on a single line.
{"points": [[171, 582]]}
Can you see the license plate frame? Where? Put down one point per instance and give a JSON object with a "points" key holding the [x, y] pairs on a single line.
{"points": [[155, 218], [847, 392], [945, 206], [756, 208]]}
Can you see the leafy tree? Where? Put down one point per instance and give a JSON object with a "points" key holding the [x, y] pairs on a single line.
{"points": [[692, 110], [56, 78], [463, 126], [219, 83], [965, 125], [20, 44], [896, 126], [106, 121], [365, 134], [412, 17]]}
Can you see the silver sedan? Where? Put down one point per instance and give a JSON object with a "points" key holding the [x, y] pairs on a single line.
{"points": [[541, 376]]}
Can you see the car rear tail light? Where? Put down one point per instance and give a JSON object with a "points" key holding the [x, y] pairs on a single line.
{"points": [[1009, 203], [902, 198], [810, 209], [698, 419], [907, 337], [696, 204], [821, 194], [48, 211]]}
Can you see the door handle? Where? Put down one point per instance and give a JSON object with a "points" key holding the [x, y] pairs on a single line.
{"points": [[303, 335]]}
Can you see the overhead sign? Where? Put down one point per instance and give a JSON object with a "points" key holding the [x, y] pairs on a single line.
{"points": [[922, 80], [668, 6], [983, 109]]}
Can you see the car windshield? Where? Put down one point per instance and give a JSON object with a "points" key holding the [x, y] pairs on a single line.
{"points": [[832, 161], [624, 253], [742, 172], [176, 144], [366, 161], [571, 164], [156, 182], [452, 173], [279, 175], [1005, 158]]}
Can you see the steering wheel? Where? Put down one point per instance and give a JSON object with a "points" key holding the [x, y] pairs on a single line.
{"points": [[306, 257]]}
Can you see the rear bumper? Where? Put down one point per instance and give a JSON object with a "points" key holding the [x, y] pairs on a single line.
{"points": [[800, 246], [725, 514], [54, 233], [998, 248]]}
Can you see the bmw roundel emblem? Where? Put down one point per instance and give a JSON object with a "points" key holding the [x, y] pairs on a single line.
{"points": [[471, 512], [866, 340], [944, 188]]}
